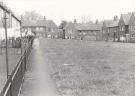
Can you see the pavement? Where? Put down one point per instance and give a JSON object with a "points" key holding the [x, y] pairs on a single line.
{"points": [[37, 78]]}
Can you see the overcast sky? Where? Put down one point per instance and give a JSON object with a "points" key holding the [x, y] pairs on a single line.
{"points": [[58, 10]]}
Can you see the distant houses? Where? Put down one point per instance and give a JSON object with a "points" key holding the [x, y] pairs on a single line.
{"points": [[110, 29], [41, 28], [124, 26], [119, 30], [83, 31], [116, 30], [131, 29]]}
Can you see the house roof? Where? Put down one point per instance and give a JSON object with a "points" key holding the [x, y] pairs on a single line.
{"points": [[126, 18], [132, 19], [84, 26], [39, 23], [4, 7], [69, 24], [111, 23]]}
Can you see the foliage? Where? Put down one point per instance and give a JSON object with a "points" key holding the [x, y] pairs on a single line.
{"points": [[63, 24], [31, 15]]}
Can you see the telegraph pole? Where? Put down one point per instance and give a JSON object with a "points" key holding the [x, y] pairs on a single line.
{"points": [[5, 26], [21, 36]]}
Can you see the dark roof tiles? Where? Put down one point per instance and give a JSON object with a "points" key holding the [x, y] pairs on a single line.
{"points": [[126, 18], [84, 26], [111, 23], [39, 23]]}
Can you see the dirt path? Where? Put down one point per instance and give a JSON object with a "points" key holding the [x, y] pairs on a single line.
{"points": [[37, 80]]}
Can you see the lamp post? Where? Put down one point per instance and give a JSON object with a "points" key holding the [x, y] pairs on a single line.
{"points": [[21, 34], [5, 26], [114, 35]]}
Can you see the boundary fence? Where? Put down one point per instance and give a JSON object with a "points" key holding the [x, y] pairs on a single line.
{"points": [[15, 80]]}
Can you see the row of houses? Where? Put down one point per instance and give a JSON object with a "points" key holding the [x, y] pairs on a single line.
{"points": [[72, 30], [41, 28], [83, 31], [117, 30], [122, 29]]}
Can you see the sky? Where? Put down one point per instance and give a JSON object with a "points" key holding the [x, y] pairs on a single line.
{"points": [[69, 10]]}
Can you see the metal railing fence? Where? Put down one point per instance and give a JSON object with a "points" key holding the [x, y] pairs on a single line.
{"points": [[15, 80]]}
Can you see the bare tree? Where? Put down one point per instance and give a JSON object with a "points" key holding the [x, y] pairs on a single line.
{"points": [[31, 15], [86, 19], [63, 24]]}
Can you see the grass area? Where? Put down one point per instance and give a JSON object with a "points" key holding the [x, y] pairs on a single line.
{"points": [[85, 68], [13, 57]]}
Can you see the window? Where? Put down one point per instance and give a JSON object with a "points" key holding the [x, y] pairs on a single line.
{"points": [[132, 35], [29, 29], [49, 36], [103, 31], [122, 28], [52, 30], [66, 37], [41, 29], [72, 37], [49, 29], [37, 29], [131, 28], [80, 32], [70, 31], [56, 36], [108, 30], [84, 33]]}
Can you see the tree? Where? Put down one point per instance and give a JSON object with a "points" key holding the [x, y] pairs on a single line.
{"points": [[31, 16], [63, 24], [86, 19]]}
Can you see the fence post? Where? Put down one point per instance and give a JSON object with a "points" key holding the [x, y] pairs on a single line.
{"points": [[5, 26], [10, 85]]}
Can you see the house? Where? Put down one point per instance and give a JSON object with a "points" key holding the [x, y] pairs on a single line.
{"points": [[131, 28], [82, 31], [124, 27], [41, 28], [110, 29], [13, 22], [13, 25], [71, 31]]}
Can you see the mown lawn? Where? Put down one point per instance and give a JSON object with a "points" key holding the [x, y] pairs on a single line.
{"points": [[13, 57], [86, 68]]}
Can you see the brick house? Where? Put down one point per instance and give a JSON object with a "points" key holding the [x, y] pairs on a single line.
{"points": [[41, 28], [70, 31], [131, 37], [110, 29], [124, 26], [83, 31]]}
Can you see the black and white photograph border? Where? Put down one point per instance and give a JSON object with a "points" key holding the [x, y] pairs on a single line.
{"points": [[67, 47]]}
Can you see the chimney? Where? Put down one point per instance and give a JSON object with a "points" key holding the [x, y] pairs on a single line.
{"points": [[44, 18], [115, 18], [96, 22], [75, 21]]}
